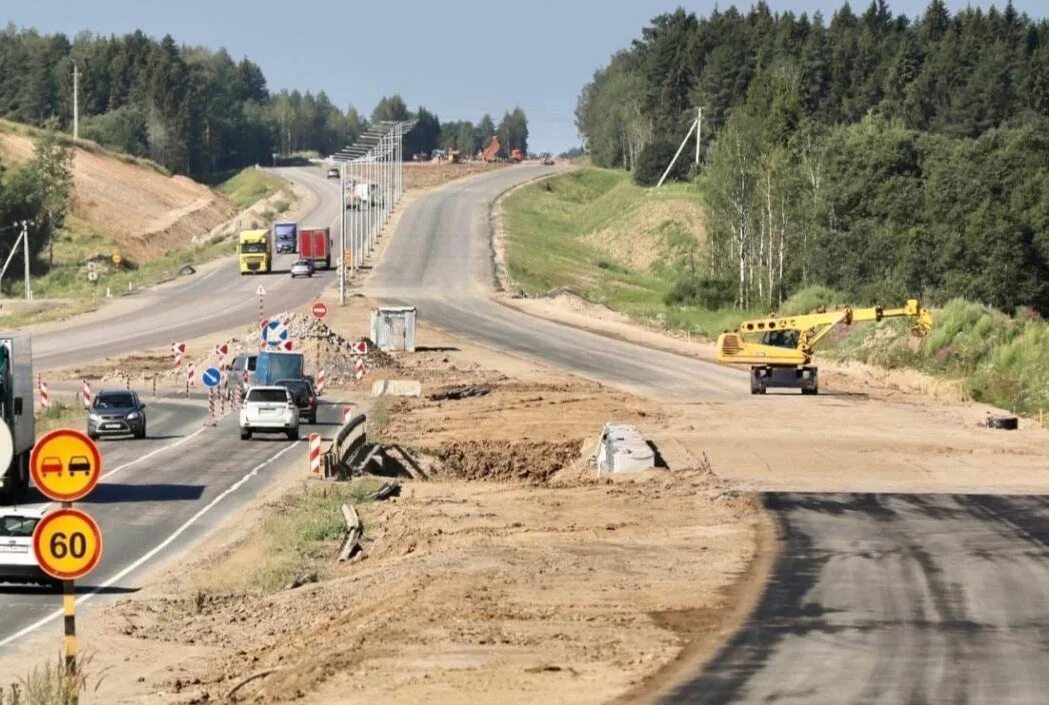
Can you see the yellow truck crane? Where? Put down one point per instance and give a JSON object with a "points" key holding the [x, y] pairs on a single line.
{"points": [[779, 350]]}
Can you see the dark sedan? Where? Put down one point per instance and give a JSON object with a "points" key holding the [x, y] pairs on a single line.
{"points": [[116, 412], [305, 398]]}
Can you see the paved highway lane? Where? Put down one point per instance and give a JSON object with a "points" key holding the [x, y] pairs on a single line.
{"points": [[160, 495], [894, 599], [216, 299], [440, 260]]}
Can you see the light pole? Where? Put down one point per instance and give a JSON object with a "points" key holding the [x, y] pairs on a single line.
{"points": [[342, 235]]}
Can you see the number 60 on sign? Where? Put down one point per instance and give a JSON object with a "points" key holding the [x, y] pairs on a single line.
{"points": [[67, 544]]}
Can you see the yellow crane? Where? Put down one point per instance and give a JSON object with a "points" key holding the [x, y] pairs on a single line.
{"points": [[779, 350]]}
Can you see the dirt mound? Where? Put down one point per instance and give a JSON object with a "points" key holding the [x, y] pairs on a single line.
{"points": [[529, 461], [144, 212], [429, 175]]}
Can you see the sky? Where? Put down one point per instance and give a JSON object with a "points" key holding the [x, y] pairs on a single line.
{"points": [[458, 58]]}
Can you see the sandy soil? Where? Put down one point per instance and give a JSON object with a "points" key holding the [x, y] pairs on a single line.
{"points": [[513, 575], [427, 175], [145, 213]]}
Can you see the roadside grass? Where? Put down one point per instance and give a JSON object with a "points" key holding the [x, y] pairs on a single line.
{"points": [[547, 224], [299, 536], [59, 415], [249, 186], [51, 684]]}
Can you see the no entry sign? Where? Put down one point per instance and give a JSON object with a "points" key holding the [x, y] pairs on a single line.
{"points": [[319, 310]]}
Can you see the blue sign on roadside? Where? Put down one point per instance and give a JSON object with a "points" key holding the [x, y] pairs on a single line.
{"points": [[211, 377]]}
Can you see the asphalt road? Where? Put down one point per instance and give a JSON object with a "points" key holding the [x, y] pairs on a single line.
{"points": [[890, 599], [161, 494], [440, 260], [215, 299]]}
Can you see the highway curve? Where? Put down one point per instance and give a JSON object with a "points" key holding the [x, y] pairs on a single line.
{"points": [[894, 599], [440, 260], [216, 299], [890, 599]]}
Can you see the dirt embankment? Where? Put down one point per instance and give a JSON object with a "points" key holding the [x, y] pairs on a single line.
{"points": [[145, 213]]}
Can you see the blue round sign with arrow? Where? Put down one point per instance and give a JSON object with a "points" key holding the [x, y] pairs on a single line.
{"points": [[211, 377], [274, 333]]}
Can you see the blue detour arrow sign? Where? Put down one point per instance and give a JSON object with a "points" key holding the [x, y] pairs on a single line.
{"points": [[211, 377]]}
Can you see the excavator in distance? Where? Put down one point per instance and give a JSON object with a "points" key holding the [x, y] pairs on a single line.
{"points": [[779, 350]]}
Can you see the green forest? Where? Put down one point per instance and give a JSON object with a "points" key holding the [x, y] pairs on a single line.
{"points": [[884, 156], [197, 111]]}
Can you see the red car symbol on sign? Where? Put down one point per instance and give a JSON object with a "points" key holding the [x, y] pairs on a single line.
{"points": [[360, 348], [51, 464]]}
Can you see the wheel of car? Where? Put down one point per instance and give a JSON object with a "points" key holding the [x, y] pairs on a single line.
{"points": [[93, 436], [142, 433], [293, 434], [245, 435]]}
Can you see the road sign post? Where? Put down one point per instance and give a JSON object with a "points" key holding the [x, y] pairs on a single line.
{"points": [[261, 293], [66, 466]]}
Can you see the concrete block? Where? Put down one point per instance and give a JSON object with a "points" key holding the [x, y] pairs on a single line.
{"points": [[397, 388], [622, 449]]}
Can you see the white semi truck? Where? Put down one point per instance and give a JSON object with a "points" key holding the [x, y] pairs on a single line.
{"points": [[16, 410]]}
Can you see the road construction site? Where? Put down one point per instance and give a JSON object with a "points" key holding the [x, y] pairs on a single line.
{"points": [[780, 537]]}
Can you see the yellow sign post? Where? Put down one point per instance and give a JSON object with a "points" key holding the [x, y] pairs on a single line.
{"points": [[66, 466]]}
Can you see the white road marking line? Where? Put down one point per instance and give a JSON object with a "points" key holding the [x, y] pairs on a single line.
{"points": [[136, 461], [153, 552]]}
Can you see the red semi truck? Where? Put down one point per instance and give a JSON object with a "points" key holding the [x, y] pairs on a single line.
{"points": [[315, 245]]}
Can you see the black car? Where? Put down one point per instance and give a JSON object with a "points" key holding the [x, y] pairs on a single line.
{"points": [[304, 396], [116, 412]]}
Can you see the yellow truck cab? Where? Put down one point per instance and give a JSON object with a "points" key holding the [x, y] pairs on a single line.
{"points": [[255, 252]]}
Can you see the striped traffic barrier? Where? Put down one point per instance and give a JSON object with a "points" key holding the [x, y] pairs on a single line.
{"points": [[359, 369], [321, 381], [347, 414], [315, 454], [88, 396], [45, 398]]}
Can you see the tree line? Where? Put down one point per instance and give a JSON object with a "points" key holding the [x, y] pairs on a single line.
{"points": [[193, 110], [881, 155]]}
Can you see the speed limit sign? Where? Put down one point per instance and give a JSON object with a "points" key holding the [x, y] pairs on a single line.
{"points": [[67, 544]]}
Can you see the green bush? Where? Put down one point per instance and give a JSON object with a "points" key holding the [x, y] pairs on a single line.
{"points": [[810, 299], [708, 293], [653, 161]]}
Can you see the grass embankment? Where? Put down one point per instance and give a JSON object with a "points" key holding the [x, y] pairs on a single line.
{"points": [[249, 186], [67, 278], [298, 537], [594, 232], [614, 243]]}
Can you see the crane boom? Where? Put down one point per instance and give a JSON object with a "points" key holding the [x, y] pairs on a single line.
{"points": [[781, 348]]}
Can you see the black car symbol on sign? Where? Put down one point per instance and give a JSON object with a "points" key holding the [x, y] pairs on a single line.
{"points": [[79, 463], [49, 465]]}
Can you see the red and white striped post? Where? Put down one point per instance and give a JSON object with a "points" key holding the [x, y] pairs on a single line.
{"points": [[315, 454], [321, 381], [88, 396], [347, 414], [45, 398], [191, 370], [359, 369]]}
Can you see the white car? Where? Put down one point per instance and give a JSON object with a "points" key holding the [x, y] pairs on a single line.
{"points": [[269, 410], [17, 562]]}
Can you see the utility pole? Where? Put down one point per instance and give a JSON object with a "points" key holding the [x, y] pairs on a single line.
{"points": [[76, 103], [699, 133], [25, 250]]}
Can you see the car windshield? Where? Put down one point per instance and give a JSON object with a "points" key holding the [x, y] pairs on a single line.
{"points": [[254, 247], [114, 401], [268, 395], [302, 263], [21, 527]]}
